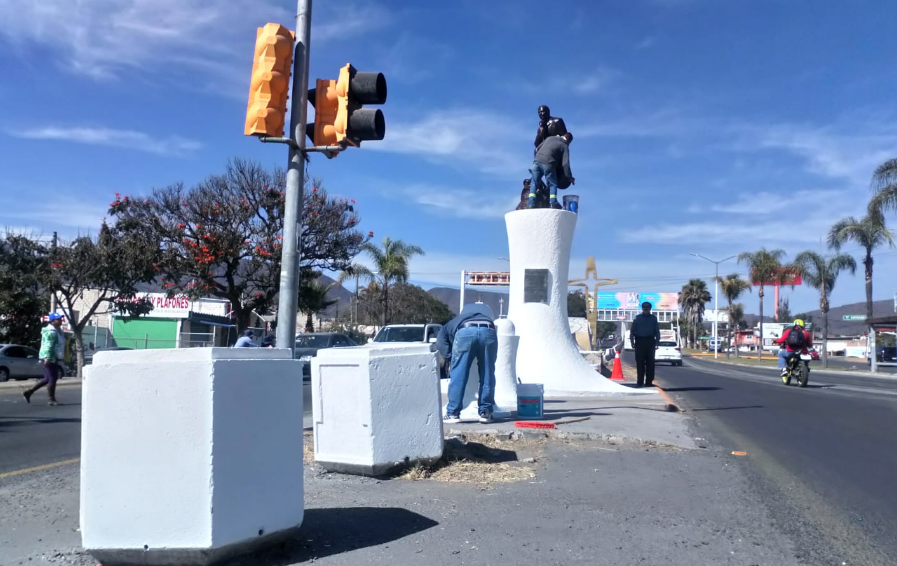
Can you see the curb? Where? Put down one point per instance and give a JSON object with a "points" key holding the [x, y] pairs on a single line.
{"points": [[554, 434], [13, 385]]}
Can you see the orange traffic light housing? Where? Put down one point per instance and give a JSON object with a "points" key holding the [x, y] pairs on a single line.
{"points": [[340, 117], [269, 87]]}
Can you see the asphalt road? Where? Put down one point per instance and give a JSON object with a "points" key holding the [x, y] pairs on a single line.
{"points": [[39, 435], [821, 457]]}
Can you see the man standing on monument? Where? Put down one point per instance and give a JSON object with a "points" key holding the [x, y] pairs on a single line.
{"points": [[467, 337], [645, 337], [553, 155]]}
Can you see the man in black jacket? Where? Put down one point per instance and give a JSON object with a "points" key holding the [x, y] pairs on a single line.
{"points": [[467, 337], [548, 126]]}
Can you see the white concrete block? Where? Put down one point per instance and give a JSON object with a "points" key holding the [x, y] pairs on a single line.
{"points": [[376, 408], [190, 455], [548, 354]]}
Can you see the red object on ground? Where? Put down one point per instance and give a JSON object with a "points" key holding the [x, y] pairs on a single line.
{"points": [[532, 424], [617, 373]]}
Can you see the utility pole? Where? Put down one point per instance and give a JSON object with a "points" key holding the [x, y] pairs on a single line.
{"points": [[288, 299], [53, 294], [716, 304]]}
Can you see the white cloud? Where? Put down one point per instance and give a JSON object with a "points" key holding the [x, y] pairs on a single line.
{"points": [[461, 203], [763, 218], [478, 139], [108, 39], [646, 43], [56, 210], [141, 141]]}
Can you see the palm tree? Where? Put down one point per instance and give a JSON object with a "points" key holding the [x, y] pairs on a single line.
{"points": [[693, 298], [884, 181], [821, 273], [765, 268], [869, 232], [390, 266], [313, 299], [732, 286]]}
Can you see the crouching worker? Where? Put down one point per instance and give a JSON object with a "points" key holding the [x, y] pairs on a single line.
{"points": [[467, 337]]}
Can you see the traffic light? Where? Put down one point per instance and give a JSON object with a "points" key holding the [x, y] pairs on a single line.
{"points": [[269, 87], [339, 113]]}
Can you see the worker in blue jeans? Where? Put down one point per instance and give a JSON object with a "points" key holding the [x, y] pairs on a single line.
{"points": [[467, 337]]}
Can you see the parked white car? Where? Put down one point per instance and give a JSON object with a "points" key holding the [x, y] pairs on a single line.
{"points": [[668, 351]]}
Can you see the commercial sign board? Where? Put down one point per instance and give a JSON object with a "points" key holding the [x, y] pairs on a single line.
{"points": [[487, 278], [165, 306], [788, 277], [854, 317], [633, 301]]}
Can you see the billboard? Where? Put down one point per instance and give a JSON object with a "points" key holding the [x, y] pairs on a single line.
{"points": [[633, 301], [489, 278]]}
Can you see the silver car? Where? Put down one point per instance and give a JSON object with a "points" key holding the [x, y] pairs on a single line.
{"points": [[19, 362]]}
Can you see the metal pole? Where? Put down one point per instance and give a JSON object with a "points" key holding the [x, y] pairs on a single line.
{"points": [[716, 314], [287, 304], [463, 282], [53, 294]]}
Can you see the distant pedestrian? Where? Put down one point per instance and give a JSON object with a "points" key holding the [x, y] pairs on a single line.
{"points": [[645, 338], [467, 337], [246, 341], [269, 341], [52, 350], [552, 155]]}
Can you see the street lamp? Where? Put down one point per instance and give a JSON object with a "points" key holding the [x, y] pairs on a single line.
{"points": [[716, 302]]}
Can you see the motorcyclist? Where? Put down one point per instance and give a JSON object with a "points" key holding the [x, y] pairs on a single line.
{"points": [[794, 345]]}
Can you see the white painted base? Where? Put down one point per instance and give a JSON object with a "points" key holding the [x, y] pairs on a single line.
{"points": [[376, 408], [548, 354], [190, 455]]}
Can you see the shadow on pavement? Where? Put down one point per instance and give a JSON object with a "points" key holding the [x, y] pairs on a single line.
{"points": [[326, 532], [678, 389], [25, 421], [550, 415], [728, 408]]}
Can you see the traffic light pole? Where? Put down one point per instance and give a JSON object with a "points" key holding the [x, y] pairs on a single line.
{"points": [[287, 306]]}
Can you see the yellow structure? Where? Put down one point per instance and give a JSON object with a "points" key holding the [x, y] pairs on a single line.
{"points": [[592, 296], [269, 87]]}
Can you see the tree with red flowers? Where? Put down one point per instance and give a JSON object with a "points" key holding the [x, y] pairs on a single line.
{"points": [[223, 237], [99, 275]]}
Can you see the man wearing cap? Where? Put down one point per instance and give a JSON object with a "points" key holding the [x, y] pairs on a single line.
{"points": [[645, 337], [52, 350], [467, 337]]}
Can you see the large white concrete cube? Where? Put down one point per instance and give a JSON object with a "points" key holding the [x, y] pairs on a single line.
{"points": [[189, 456], [376, 408]]}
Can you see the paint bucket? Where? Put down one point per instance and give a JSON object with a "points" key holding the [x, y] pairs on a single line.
{"points": [[571, 203], [530, 400]]}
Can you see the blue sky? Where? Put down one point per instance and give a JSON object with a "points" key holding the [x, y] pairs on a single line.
{"points": [[701, 126]]}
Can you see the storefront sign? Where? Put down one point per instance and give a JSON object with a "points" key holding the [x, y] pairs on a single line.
{"points": [[165, 306]]}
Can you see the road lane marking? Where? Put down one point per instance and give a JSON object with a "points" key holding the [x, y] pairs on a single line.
{"points": [[739, 453], [38, 468]]}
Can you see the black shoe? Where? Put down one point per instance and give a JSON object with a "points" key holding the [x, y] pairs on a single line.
{"points": [[27, 396], [639, 385], [451, 419], [485, 418]]}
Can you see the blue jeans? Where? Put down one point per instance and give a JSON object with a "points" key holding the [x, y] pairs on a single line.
{"points": [[540, 170], [784, 354], [474, 343]]}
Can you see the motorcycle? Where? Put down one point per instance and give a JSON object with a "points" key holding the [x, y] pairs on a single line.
{"points": [[798, 367]]}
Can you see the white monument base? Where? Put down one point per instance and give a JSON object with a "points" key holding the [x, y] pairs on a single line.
{"points": [[376, 408], [539, 242], [190, 456]]}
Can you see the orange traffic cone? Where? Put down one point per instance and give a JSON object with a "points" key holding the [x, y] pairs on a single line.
{"points": [[617, 373]]}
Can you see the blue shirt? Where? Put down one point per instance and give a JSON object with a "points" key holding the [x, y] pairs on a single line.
{"points": [[645, 326], [470, 312], [245, 342]]}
